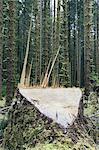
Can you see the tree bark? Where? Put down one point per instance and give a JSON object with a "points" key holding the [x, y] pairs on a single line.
{"points": [[1, 45], [97, 47], [22, 81], [11, 53], [87, 44]]}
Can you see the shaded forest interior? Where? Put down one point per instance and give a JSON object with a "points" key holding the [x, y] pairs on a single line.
{"points": [[48, 43], [72, 26]]}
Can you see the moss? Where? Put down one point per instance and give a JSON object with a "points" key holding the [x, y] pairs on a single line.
{"points": [[92, 111], [27, 125], [81, 145], [1, 148], [28, 128], [3, 125], [2, 103], [93, 104]]}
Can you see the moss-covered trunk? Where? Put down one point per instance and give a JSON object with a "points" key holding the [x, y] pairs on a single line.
{"points": [[27, 127]]}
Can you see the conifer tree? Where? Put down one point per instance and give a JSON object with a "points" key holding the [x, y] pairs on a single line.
{"points": [[11, 53], [97, 39], [1, 44], [88, 27], [65, 68]]}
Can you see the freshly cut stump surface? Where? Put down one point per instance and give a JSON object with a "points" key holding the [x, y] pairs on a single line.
{"points": [[59, 104]]}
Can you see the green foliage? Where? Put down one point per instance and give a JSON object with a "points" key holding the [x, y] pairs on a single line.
{"points": [[92, 111], [95, 78], [27, 127], [56, 146], [2, 103], [81, 145], [4, 91], [92, 105], [3, 124], [1, 148]]}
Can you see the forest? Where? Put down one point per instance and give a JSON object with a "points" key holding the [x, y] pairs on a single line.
{"points": [[48, 45]]}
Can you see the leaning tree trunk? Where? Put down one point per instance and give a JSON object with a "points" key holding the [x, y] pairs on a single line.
{"points": [[23, 75]]}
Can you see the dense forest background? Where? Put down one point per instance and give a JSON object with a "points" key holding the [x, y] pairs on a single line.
{"points": [[72, 26], [58, 39]]}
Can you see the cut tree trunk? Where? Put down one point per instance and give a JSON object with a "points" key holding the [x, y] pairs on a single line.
{"points": [[62, 105], [27, 125]]}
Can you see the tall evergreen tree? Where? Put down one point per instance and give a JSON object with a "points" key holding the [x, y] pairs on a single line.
{"points": [[65, 67], [11, 53], [55, 24], [88, 27], [1, 44], [41, 39], [37, 42], [97, 38], [54, 37], [81, 43], [56, 41]]}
